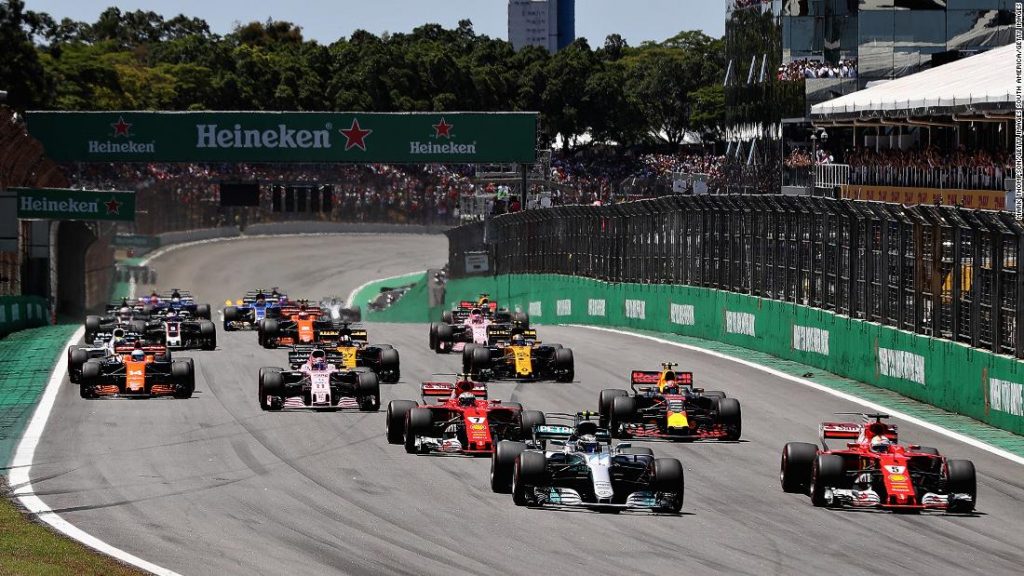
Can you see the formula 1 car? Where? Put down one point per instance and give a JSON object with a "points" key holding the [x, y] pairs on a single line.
{"points": [[586, 471], [247, 312], [318, 385], [468, 323], [145, 372], [874, 471], [463, 421], [352, 351], [179, 302], [297, 324], [335, 309], [118, 342], [664, 404], [117, 315], [516, 354], [178, 331]]}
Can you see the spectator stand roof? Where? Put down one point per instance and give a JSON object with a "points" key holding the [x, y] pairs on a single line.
{"points": [[977, 83]]}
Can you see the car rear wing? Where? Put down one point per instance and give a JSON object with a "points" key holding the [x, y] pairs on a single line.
{"points": [[469, 305], [150, 349], [445, 389], [502, 333], [840, 430], [299, 354]]}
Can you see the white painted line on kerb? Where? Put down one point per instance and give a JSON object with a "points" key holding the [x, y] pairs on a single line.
{"points": [[21, 466], [866, 403]]}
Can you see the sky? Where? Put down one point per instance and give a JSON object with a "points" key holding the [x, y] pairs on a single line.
{"points": [[327, 20]]}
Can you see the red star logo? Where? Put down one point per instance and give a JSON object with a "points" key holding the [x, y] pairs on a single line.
{"points": [[113, 206], [121, 127], [443, 128], [355, 136]]}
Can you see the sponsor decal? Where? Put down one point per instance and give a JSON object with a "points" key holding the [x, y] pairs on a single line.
{"points": [[636, 309], [445, 130], [355, 136], [682, 314], [237, 136], [739, 323], [901, 364], [595, 307], [1005, 396], [119, 141], [534, 309], [644, 377], [897, 478], [810, 339], [477, 426], [563, 307], [895, 469]]}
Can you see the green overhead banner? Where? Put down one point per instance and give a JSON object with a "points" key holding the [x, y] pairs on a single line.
{"points": [[456, 137], [65, 204]]}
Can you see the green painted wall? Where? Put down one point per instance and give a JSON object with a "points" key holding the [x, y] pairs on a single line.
{"points": [[20, 312], [945, 374]]}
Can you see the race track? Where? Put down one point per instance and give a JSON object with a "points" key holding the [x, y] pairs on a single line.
{"points": [[215, 486]]}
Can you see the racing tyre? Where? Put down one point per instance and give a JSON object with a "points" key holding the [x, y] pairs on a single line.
{"points": [[230, 314], [76, 359], [208, 335], [92, 326], [827, 472], [183, 373], [467, 357], [272, 384], [623, 411], [447, 317], [522, 319], [730, 418], [564, 365], [795, 470], [203, 311], [389, 366], [268, 333], [960, 479], [369, 392], [394, 424], [669, 478], [503, 463], [529, 471], [444, 339], [637, 451], [433, 336], [90, 371], [531, 418], [714, 394], [480, 360], [418, 423], [604, 404]]}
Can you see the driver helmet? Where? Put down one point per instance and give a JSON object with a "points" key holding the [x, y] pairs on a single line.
{"points": [[138, 355], [518, 340], [344, 340], [880, 444], [670, 386], [476, 316], [318, 359], [467, 399], [260, 298], [125, 313], [588, 444]]}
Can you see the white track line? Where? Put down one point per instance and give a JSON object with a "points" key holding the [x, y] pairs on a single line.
{"points": [[22, 464], [358, 289], [867, 404]]}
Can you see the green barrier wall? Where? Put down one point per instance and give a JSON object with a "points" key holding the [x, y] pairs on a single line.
{"points": [[20, 312], [945, 374], [412, 307]]}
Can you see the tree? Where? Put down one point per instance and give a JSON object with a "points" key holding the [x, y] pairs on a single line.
{"points": [[563, 100], [21, 73]]}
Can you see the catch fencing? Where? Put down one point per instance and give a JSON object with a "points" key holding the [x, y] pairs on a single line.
{"points": [[940, 271]]}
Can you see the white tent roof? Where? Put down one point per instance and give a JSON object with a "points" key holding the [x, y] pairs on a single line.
{"points": [[985, 78]]}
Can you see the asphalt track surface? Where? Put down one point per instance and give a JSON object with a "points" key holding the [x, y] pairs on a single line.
{"points": [[213, 485]]}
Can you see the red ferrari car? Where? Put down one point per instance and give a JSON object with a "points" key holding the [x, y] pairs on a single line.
{"points": [[874, 471], [463, 421]]}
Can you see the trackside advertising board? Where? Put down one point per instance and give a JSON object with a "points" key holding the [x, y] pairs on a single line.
{"points": [[460, 137], [66, 204]]}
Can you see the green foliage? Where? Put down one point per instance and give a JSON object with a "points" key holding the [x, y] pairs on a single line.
{"points": [[140, 60]]}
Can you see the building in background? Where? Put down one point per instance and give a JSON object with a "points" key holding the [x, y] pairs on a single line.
{"points": [[550, 24], [786, 55]]}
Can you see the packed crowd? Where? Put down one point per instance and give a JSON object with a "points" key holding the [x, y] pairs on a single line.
{"points": [[931, 167], [802, 158], [805, 68]]}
